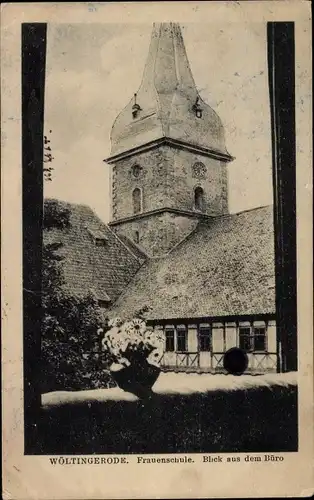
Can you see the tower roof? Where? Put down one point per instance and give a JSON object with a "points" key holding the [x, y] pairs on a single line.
{"points": [[167, 104]]}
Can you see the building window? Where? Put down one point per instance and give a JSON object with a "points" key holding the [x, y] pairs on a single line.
{"points": [[169, 340], [204, 338], [103, 303], [245, 340], [136, 107], [197, 108], [100, 242], [259, 339], [199, 199], [137, 200], [182, 339], [136, 171], [136, 236], [98, 236], [252, 338], [199, 170]]}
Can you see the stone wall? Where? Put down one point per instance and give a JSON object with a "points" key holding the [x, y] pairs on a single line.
{"points": [[152, 180], [184, 177], [158, 233], [167, 179]]}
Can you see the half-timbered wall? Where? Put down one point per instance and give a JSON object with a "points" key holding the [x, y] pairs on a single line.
{"points": [[200, 346]]}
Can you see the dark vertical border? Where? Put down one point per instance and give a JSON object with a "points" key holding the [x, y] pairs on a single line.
{"points": [[281, 73], [33, 88]]}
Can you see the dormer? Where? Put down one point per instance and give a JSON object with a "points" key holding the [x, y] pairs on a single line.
{"points": [[99, 237]]}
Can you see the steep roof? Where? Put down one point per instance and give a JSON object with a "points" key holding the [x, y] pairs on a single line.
{"points": [[136, 249], [225, 267], [104, 268], [166, 101]]}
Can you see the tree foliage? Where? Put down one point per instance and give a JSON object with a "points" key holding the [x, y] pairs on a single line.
{"points": [[56, 215], [71, 346]]}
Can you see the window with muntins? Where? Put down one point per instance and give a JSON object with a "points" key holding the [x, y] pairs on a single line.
{"points": [[137, 200], [259, 339], [204, 339], [252, 339], [182, 340], [169, 340]]}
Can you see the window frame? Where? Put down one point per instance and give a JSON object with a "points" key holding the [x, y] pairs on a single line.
{"points": [[136, 171], [140, 191], [168, 330], [208, 337], [179, 331], [199, 170], [251, 337], [264, 335], [199, 199], [100, 242], [136, 236]]}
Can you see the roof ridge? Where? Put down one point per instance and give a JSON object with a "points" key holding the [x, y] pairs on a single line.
{"points": [[125, 246], [182, 241], [251, 209], [125, 290], [74, 205], [225, 216], [136, 245]]}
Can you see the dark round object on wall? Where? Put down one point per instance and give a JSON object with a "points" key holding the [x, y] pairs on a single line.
{"points": [[235, 361]]}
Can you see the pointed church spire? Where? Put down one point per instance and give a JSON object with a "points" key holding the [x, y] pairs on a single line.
{"points": [[167, 104], [167, 66]]}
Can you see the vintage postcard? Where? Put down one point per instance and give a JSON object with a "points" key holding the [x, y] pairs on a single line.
{"points": [[156, 250]]}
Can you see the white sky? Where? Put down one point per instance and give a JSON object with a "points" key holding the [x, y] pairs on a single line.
{"points": [[94, 70]]}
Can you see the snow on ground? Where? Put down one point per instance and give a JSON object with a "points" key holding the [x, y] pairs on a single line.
{"points": [[176, 383], [188, 383]]}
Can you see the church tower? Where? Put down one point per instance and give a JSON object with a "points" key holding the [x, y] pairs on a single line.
{"points": [[168, 153]]}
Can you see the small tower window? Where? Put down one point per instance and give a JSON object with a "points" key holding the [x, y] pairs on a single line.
{"points": [[197, 108], [137, 200], [199, 199], [199, 170], [136, 171], [135, 108], [137, 236]]}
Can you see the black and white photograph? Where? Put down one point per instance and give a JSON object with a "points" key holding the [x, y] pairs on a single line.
{"points": [[159, 240]]}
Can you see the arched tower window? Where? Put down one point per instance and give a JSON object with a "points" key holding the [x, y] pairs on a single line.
{"points": [[137, 200], [199, 199]]}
